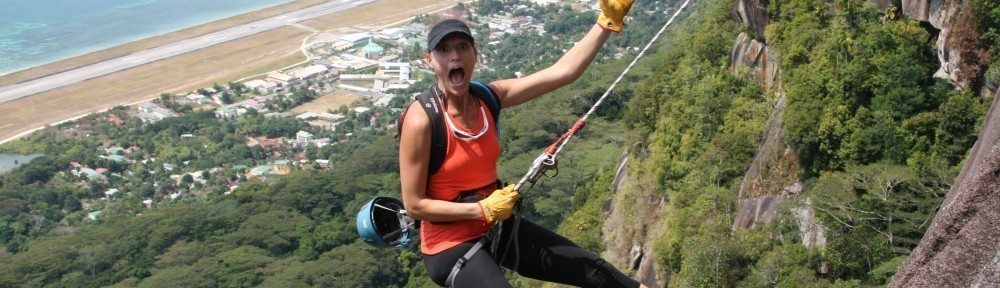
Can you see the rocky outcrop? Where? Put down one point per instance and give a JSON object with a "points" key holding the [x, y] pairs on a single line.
{"points": [[962, 246], [813, 233], [752, 57], [941, 15], [754, 14], [627, 233]]}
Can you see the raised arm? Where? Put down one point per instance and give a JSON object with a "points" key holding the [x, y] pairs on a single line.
{"points": [[515, 91], [572, 64]]}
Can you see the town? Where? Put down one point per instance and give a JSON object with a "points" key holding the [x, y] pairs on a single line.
{"points": [[352, 86]]}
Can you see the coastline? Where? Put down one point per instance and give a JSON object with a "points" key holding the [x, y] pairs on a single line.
{"points": [[146, 43], [224, 62]]}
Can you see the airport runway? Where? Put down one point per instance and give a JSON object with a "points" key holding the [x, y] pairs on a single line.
{"points": [[68, 77]]}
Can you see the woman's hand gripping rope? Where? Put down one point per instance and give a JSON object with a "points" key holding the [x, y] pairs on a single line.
{"points": [[499, 205], [613, 14]]}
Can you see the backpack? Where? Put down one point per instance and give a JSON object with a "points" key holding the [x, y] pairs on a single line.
{"points": [[439, 140]]}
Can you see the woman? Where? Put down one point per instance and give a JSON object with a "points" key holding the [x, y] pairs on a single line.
{"points": [[451, 224]]}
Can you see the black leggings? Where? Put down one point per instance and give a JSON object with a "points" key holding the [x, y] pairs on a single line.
{"points": [[544, 255]]}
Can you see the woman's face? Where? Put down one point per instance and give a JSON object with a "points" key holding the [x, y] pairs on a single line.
{"points": [[453, 61]]}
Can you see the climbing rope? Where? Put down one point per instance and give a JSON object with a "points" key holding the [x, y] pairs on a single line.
{"points": [[547, 161]]}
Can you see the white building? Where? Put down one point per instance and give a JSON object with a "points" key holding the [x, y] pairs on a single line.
{"points": [[309, 72], [304, 136], [356, 39], [260, 85]]}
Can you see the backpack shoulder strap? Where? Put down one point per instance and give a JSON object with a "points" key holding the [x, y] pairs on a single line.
{"points": [[439, 145], [486, 94], [432, 107]]}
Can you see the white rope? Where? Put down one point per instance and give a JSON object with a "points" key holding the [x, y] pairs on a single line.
{"points": [[550, 160], [627, 69]]}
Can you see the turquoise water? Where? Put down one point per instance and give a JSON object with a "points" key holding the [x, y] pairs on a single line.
{"points": [[10, 161], [37, 32]]}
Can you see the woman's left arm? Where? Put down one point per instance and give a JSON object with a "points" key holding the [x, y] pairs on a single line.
{"points": [[515, 91]]}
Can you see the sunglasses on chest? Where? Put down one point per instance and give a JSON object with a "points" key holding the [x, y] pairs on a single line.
{"points": [[461, 134]]}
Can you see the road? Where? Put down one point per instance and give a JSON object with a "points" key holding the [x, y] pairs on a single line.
{"points": [[68, 77]]}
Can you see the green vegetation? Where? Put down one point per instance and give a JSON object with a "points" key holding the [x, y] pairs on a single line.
{"points": [[877, 137], [878, 140], [275, 230]]}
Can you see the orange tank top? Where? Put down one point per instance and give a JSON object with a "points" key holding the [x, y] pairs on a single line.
{"points": [[468, 165]]}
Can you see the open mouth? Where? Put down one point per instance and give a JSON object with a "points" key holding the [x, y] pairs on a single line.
{"points": [[456, 75]]}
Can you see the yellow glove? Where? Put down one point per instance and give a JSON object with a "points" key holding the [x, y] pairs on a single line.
{"points": [[613, 14], [499, 205]]}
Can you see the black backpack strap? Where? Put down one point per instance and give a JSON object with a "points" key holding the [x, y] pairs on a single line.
{"points": [[439, 133], [486, 94], [439, 144]]}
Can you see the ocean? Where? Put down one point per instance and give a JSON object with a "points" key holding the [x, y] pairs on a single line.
{"points": [[34, 33]]}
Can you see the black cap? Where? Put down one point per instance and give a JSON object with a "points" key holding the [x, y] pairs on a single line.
{"points": [[443, 28]]}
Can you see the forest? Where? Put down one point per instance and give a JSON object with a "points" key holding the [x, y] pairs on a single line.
{"points": [[862, 110]]}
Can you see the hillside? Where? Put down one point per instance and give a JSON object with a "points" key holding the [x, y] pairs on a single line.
{"points": [[805, 143], [811, 143]]}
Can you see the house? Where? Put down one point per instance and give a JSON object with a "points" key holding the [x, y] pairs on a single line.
{"points": [[330, 117], [299, 159], [194, 96], [110, 192], [232, 186], [91, 173], [93, 215], [148, 106], [306, 116], [270, 143], [149, 112], [225, 112], [321, 142], [260, 86], [114, 119], [324, 163], [256, 105], [239, 167], [303, 135], [261, 170], [169, 167]]}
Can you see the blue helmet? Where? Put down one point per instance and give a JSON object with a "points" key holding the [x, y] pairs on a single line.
{"points": [[383, 223]]}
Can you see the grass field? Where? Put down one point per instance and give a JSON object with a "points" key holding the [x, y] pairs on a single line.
{"points": [[331, 101], [222, 63]]}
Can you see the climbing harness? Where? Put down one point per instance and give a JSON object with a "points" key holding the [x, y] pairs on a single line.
{"points": [[541, 166]]}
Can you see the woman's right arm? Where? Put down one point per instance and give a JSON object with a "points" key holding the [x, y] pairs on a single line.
{"points": [[414, 156]]}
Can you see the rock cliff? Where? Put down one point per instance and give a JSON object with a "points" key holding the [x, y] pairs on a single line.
{"points": [[957, 49], [753, 58], [962, 246], [754, 14]]}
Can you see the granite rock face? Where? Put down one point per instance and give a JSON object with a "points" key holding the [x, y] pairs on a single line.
{"points": [[753, 57], [962, 246], [754, 14], [942, 16]]}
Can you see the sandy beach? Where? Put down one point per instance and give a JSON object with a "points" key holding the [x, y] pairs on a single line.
{"points": [[222, 63]]}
